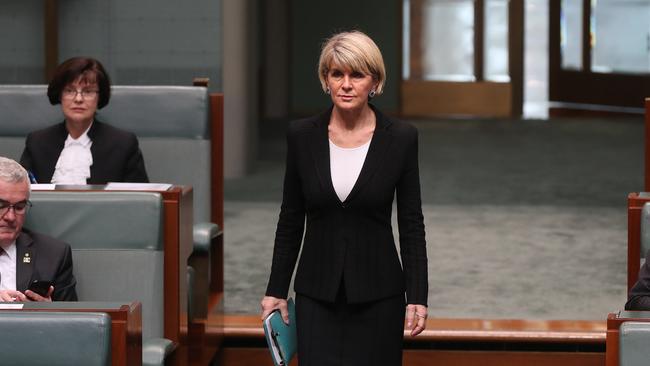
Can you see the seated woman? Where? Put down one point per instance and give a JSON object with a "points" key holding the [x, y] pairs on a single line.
{"points": [[81, 149]]}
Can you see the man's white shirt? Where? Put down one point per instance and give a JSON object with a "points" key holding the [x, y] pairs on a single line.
{"points": [[8, 267]]}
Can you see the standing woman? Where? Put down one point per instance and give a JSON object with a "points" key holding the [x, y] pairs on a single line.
{"points": [[81, 149], [343, 169]]}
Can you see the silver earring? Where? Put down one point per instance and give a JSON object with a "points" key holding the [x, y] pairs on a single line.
{"points": [[327, 91], [372, 94]]}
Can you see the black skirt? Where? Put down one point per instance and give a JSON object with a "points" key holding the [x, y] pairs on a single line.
{"points": [[350, 334]]}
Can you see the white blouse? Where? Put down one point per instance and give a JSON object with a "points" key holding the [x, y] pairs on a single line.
{"points": [[8, 267], [345, 166], [73, 166]]}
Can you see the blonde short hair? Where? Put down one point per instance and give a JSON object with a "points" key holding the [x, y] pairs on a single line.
{"points": [[355, 51]]}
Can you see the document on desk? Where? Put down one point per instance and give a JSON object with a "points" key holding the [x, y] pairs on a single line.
{"points": [[113, 186], [43, 186], [281, 338], [10, 306]]}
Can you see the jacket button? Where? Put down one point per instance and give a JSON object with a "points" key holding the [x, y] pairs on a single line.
{"points": [[343, 205]]}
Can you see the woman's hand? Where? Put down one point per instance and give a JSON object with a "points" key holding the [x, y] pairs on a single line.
{"points": [[270, 303], [416, 318]]}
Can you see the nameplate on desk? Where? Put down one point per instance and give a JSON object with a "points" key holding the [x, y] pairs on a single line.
{"points": [[5, 306], [43, 186], [137, 186]]}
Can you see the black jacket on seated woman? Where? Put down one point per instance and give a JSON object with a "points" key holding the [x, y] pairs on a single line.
{"points": [[107, 154]]}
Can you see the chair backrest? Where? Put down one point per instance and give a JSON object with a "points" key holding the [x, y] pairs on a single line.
{"points": [[634, 338], [55, 338], [117, 245], [171, 122]]}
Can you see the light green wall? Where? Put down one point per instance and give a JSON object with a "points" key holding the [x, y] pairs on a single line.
{"points": [[314, 21]]}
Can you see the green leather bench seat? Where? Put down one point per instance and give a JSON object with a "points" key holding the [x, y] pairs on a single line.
{"points": [[117, 248], [634, 338], [55, 338]]}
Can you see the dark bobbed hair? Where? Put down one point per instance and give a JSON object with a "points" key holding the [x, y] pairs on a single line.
{"points": [[90, 71]]}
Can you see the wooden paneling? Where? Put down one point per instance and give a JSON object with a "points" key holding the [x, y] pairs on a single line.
{"points": [[456, 342], [177, 246], [472, 330], [634, 208], [501, 358], [261, 357], [439, 98], [51, 37]]}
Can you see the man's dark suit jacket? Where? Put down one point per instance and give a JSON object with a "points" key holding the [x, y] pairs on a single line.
{"points": [[639, 296], [40, 257], [351, 243], [116, 154]]}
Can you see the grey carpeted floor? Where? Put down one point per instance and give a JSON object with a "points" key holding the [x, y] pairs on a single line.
{"points": [[524, 219]]}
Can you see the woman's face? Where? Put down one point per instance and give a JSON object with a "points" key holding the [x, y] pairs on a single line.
{"points": [[349, 89], [79, 101]]}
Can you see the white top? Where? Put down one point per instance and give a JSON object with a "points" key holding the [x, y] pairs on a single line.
{"points": [[8, 267], [345, 166], [73, 166]]}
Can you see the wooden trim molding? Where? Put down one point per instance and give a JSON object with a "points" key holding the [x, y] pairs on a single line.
{"points": [[431, 98]]}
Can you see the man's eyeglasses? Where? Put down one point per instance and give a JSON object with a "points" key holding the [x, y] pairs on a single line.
{"points": [[85, 93], [20, 208]]}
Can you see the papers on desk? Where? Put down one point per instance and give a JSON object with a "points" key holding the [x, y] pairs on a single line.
{"points": [[281, 338], [43, 186], [7, 306], [111, 186]]}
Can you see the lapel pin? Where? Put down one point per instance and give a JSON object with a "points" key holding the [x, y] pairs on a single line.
{"points": [[27, 258]]}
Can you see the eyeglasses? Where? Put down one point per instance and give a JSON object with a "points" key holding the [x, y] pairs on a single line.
{"points": [[20, 208], [85, 93]]}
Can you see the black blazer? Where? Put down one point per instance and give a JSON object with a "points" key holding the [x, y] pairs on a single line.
{"points": [[116, 154], [40, 257], [351, 242], [639, 296]]}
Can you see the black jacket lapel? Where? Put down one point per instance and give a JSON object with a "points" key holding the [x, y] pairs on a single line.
{"points": [[320, 149], [381, 140]]}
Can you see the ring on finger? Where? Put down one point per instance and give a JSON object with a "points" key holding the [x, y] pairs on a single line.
{"points": [[421, 316]]}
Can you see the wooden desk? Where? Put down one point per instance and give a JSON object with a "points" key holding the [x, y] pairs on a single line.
{"points": [[126, 325], [178, 243], [614, 321]]}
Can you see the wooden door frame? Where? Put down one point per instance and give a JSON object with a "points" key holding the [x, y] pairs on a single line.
{"points": [[480, 97], [585, 86]]}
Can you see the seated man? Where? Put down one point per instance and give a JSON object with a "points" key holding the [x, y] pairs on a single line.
{"points": [[27, 256], [639, 296]]}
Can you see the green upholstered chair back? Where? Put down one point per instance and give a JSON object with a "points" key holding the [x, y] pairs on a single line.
{"points": [[23, 108], [117, 245], [55, 338], [171, 122], [634, 338]]}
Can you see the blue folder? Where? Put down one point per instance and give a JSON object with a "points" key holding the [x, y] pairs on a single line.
{"points": [[281, 338]]}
